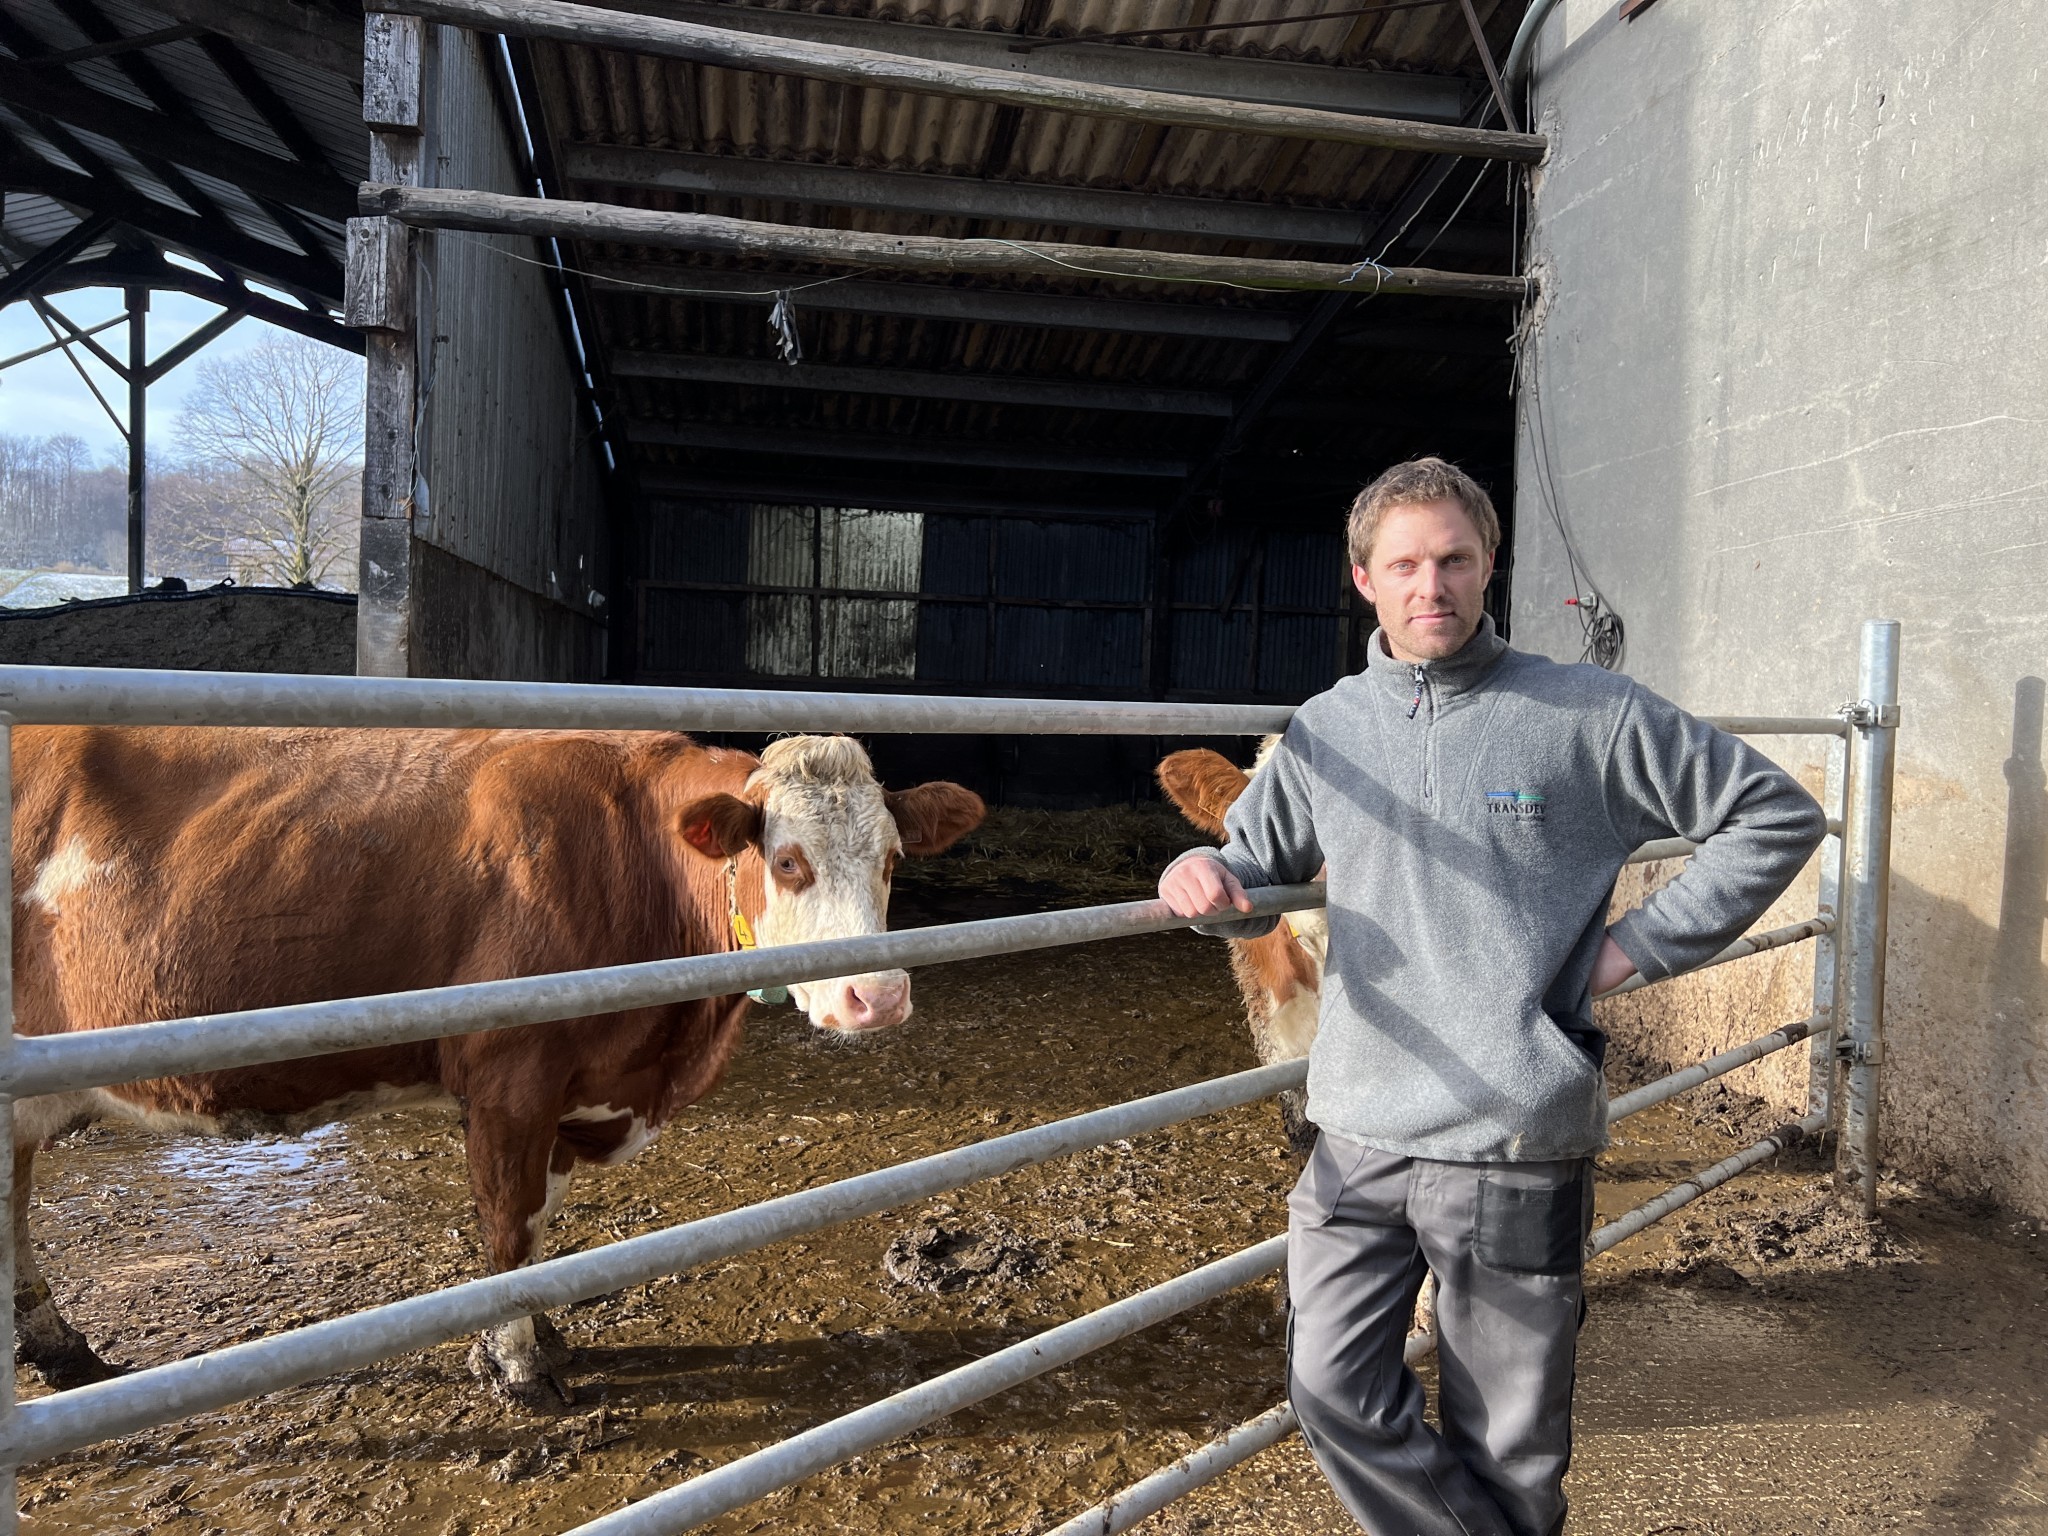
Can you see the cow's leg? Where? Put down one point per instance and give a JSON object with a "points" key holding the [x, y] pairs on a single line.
{"points": [[518, 1173], [42, 1337]]}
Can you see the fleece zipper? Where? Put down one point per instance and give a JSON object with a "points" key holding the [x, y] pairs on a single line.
{"points": [[1425, 691]]}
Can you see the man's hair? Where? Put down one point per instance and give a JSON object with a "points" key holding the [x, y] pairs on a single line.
{"points": [[1414, 484]]}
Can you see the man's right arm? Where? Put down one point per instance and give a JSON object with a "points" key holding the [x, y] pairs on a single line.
{"points": [[1271, 842]]}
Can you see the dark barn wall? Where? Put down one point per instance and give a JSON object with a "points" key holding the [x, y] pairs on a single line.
{"points": [[755, 594], [738, 594]]}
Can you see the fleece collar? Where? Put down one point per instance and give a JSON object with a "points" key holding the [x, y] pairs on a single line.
{"points": [[1464, 669]]}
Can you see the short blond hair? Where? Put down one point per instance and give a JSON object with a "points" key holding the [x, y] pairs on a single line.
{"points": [[1413, 484]]}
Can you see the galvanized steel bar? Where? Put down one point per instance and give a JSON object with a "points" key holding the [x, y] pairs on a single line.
{"points": [[1640, 1099], [1777, 725], [1751, 944], [140, 696], [1820, 1061], [761, 1473], [9, 1500], [1679, 847], [137, 696], [1149, 1495], [211, 1043], [163, 1393], [1866, 899], [1648, 1214]]}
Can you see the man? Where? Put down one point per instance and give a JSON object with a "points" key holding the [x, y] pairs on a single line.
{"points": [[1474, 804]]}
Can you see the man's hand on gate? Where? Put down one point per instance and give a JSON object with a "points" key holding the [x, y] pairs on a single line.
{"points": [[1202, 887], [1611, 968]]}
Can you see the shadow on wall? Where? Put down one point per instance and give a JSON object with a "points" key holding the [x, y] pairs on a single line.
{"points": [[1965, 1101]]}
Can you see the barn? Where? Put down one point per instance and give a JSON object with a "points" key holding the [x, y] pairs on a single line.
{"points": [[1001, 350]]}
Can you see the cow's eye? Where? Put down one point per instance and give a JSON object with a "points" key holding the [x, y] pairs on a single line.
{"points": [[785, 865]]}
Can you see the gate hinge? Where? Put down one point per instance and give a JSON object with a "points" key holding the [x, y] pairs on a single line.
{"points": [[1859, 1053], [1865, 715]]}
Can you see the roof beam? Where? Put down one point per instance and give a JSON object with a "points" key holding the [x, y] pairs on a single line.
{"points": [[1362, 92], [984, 389], [971, 197], [199, 238], [300, 30], [929, 301], [814, 444], [499, 213], [838, 492], [156, 133], [24, 279], [728, 48], [155, 272], [133, 43]]}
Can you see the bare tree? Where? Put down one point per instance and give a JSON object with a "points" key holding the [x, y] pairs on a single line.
{"points": [[286, 418]]}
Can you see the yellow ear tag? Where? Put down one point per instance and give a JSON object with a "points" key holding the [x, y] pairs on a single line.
{"points": [[741, 930]]}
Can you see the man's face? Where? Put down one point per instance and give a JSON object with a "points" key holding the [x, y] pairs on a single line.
{"points": [[1425, 577]]}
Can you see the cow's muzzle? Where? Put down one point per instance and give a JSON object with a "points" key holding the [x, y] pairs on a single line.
{"points": [[855, 1004]]}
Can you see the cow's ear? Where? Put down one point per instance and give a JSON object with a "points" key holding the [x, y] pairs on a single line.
{"points": [[1204, 785], [720, 826], [932, 817]]}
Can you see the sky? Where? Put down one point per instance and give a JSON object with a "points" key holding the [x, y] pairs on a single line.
{"points": [[45, 396]]}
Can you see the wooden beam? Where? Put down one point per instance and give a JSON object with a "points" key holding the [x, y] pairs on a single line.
{"points": [[132, 43], [25, 278], [812, 444], [590, 27], [167, 276], [971, 306], [1014, 202], [303, 31], [394, 82], [211, 331], [987, 389], [156, 133], [199, 238], [497, 213], [1182, 71]]}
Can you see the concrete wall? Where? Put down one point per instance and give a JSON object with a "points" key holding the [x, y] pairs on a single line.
{"points": [[505, 570], [1791, 371]]}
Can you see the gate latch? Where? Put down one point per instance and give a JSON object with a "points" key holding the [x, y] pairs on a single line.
{"points": [[1860, 1053], [1865, 715]]}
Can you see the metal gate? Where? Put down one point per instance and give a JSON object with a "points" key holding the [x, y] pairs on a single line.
{"points": [[1849, 930]]}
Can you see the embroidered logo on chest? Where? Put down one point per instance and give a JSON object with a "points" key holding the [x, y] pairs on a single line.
{"points": [[1522, 804]]}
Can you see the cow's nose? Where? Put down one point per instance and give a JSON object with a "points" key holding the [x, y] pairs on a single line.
{"points": [[875, 1002]]}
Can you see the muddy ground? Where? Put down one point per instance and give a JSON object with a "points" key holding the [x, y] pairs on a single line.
{"points": [[1762, 1364]]}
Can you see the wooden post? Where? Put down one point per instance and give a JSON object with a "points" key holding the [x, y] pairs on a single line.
{"points": [[380, 302]]}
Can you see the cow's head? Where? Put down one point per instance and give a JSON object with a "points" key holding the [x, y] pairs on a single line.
{"points": [[1203, 786], [829, 837]]}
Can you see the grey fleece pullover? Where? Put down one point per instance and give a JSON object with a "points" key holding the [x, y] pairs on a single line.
{"points": [[1474, 813]]}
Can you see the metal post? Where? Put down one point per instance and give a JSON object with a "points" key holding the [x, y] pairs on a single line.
{"points": [[9, 1504], [1820, 1073], [1866, 892], [138, 430]]}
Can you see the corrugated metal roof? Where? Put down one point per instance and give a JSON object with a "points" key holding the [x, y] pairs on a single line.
{"points": [[171, 192], [614, 100]]}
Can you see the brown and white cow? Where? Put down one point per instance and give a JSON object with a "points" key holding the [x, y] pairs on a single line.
{"points": [[1281, 974], [160, 873]]}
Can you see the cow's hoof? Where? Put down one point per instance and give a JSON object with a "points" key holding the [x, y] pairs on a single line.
{"points": [[548, 1338], [519, 1370]]}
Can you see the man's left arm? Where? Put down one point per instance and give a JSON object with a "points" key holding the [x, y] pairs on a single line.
{"points": [[1671, 775]]}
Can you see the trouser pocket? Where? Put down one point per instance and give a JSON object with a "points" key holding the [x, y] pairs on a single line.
{"points": [[1532, 1223]]}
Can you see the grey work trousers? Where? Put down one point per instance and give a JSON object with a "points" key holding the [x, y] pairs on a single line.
{"points": [[1506, 1243]]}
